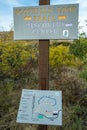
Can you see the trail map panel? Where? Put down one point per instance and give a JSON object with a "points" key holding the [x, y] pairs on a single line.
{"points": [[40, 107], [46, 22]]}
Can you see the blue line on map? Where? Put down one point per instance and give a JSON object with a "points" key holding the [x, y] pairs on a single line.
{"points": [[51, 118], [48, 98]]}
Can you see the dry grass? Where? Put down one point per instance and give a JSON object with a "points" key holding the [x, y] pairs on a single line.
{"points": [[73, 106]]}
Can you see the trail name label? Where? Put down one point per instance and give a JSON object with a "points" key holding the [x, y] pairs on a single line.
{"points": [[46, 22]]}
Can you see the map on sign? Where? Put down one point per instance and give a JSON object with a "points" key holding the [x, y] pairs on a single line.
{"points": [[40, 107]]}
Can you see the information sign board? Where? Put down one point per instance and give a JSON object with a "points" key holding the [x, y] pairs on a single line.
{"points": [[46, 22], [40, 107]]}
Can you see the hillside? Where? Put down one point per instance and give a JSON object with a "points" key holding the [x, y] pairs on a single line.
{"points": [[67, 72]]}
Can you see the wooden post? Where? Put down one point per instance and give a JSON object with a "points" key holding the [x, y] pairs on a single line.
{"points": [[43, 63]]}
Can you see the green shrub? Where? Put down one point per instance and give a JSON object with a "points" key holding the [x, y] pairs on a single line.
{"points": [[79, 48]]}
